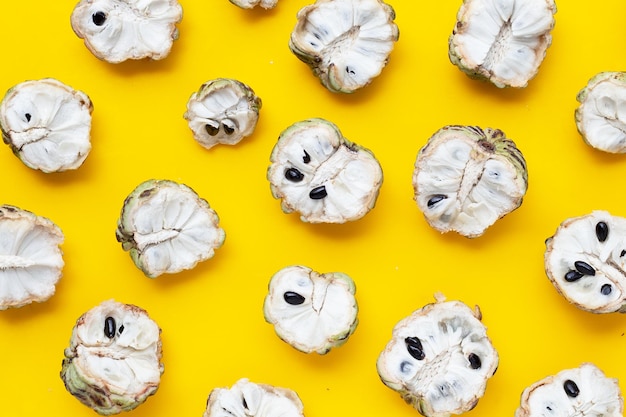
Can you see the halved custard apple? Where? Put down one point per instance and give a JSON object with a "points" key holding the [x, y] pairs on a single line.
{"points": [[167, 228], [582, 391], [585, 260], [249, 399], [113, 363], [439, 358], [346, 43], [47, 124], [503, 41], [312, 312], [31, 260]]}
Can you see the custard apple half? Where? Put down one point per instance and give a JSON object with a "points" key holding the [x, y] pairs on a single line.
{"points": [[346, 43], [439, 359], [601, 115], [582, 391], [223, 110], [249, 399], [502, 41], [119, 30], [113, 362], [312, 312], [466, 178], [31, 260], [47, 124], [168, 228], [585, 260], [318, 173]]}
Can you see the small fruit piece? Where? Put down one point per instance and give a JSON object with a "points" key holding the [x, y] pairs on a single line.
{"points": [[248, 399], [346, 43], [502, 41], [310, 311], [582, 391], [222, 111], [113, 362], [168, 228], [601, 116], [585, 260], [466, 178], [439, 358], [118, 30], [31, 260], [47, 124], [249, 4], [323, 176]]}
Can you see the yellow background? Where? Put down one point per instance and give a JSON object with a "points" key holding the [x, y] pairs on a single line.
{"points": [[211, 317]]}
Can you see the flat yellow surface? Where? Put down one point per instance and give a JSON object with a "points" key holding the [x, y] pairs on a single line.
{"points": [[211, 317]]}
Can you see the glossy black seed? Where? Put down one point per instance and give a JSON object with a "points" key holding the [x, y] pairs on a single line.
{"points": [[228, 129], [573, 275], [584, 268], [121, 329], [414, 347], [571, 389], [99, 18], [293, 298], [474, 360], [294, 175], [306, 158], [211, 130], [606, 289], [602, 231], [28, 117], [109, 327], [318, 193], [622, 253], [436, 199], [244, 403]]}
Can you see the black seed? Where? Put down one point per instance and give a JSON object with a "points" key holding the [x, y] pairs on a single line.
{"points": [[405, 366], [99, 18], [318, 193], [28, 117], [306, 158], [414, 347], [121, 329], [294, 175], [435, 199], [211, 130], [606, 289], [622, 253], [573, 275], [602, 231], [245, 404], [350, 71], [228, 129], [109, 327], [571, 389], [474, 360], [293, 298], [584, 268]]}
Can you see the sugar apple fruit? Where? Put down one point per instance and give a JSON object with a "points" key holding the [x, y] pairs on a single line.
{"points": [[113, 362], [167, 227], [601, 115], [502, 41], [47, 124], [585, 260], [466, 178], [250, 4], [346, 43], [31, 260], [223, 110], [249, 399], [318, 173], [119, 30], [312, 312], [439, 358], [582, 391]]}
